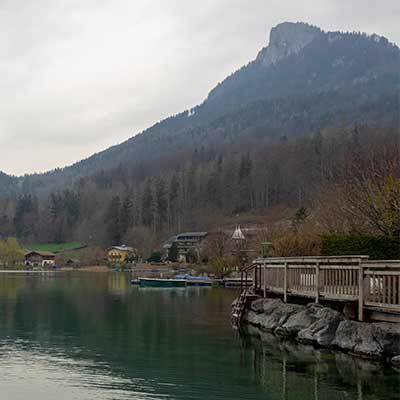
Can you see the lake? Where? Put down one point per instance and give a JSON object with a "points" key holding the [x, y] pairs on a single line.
{"points": [[94, 336]]}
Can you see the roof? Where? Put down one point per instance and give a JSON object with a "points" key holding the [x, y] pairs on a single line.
{"points": [[238, 234], [121, 248], [168, 243], [194, 234], [40, 253]]}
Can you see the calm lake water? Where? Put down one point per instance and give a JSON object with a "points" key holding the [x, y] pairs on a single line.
{"points": [[94, 336]]}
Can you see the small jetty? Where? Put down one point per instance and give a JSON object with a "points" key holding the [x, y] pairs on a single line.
{"points": [[347, 303], [372, 287]]}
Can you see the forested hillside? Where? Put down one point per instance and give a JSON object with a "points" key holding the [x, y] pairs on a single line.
{"points": [[285, 129]]}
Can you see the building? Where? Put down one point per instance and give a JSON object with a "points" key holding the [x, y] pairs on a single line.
{"points": [[189, 245], [119, 254], [39, 258]]}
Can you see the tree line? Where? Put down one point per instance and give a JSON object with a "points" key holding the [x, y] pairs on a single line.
{"points": [[141, 203]]}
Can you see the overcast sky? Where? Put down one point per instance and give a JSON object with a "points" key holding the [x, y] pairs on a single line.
{"points": [[77, 76]]}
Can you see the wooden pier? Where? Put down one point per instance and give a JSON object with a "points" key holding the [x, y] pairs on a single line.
{"points": [[374, 286]]}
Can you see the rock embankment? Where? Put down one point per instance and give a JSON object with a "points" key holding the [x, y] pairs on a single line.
{"points": [[323, 326]]}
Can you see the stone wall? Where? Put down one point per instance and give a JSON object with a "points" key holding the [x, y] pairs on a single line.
{"points": [[323, 326]]}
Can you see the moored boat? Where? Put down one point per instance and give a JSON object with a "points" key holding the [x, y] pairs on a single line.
{"points": [[195, 280], [161, 283]]}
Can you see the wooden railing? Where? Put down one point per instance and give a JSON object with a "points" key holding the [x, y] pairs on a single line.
{"points": [[382, 285], [375, 285]]}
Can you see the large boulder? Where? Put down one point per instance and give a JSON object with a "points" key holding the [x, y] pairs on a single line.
{"points": [[269, 314], [358, 338], [257, 306], [322, 332], [372, 340], [388, 336], [299, 321], [252, 318], [270, 305], [275, 317]]}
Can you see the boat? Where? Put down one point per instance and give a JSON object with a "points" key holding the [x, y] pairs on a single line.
{"points": [[195, 280], [161, 283]]}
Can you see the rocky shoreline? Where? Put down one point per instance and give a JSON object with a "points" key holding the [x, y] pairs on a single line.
{"points": [[324, 327]]}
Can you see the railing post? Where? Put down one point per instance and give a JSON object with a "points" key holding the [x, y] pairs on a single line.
{"points": [[256, 274], [285, 281], [317, 283], [360, 291], [265, 279]]}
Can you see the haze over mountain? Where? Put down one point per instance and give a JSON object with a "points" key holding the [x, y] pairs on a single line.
{"points": [[255, 142]]}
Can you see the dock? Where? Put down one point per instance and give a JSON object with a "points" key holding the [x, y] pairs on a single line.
{"points": [[373, 287], [235, 282]]}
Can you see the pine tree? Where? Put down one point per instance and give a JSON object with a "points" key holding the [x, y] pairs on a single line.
{"points": [[162, 203], [173, 252], [147, 201], [245, 183], [126, 215], [113, 221], [173, 201]]}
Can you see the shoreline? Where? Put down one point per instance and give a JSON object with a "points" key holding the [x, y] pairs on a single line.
{"points": [[324, 327], [59, 270]]}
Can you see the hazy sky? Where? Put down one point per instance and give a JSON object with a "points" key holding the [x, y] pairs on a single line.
{"points": [[77, 76]]}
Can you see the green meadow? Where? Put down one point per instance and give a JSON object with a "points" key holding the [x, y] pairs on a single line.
{"points": [[55, 247]]}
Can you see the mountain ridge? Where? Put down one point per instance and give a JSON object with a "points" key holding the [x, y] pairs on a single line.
{"points": [[279, 132], [290, 47]]}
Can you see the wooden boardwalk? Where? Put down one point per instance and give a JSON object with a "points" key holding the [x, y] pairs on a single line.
{"points": [[373, 285]]}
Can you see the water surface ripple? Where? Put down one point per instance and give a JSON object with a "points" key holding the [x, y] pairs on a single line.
{"points": [[94, 336]]}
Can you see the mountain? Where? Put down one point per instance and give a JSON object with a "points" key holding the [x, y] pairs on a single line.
{"points": [[304, 80], [7, 182], [303, 60], [278, 132]]}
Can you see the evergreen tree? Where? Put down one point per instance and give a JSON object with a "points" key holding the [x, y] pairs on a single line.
{"points": [[126, 215], [162, 203], [147, 201], [173, 201], [173, 252], [113, 221], [245, 183]]}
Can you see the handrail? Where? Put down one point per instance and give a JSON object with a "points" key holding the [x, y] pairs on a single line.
{"points": [[311, 258], [344, 278]]}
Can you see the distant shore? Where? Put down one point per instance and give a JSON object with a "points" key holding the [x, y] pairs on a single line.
{"points": [[56, 270]]}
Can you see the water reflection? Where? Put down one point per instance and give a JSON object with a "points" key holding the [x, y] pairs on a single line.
{"points": [[304, 372], [94, 336]]}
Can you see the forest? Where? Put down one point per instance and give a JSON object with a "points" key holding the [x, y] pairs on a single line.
{"points": [[318, 130], [337, 174]]}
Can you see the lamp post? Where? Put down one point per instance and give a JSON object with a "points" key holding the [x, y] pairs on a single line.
{"points": [[265, 249]]}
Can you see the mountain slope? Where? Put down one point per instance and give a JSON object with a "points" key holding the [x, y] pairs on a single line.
{"points": [[311, 111], [304, 80]]}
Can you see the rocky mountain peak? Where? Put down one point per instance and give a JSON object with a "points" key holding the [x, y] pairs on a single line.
{"points": [[285, 39]]}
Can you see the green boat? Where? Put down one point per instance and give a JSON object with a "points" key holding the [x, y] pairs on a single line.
{"points": [[161, 283]]}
